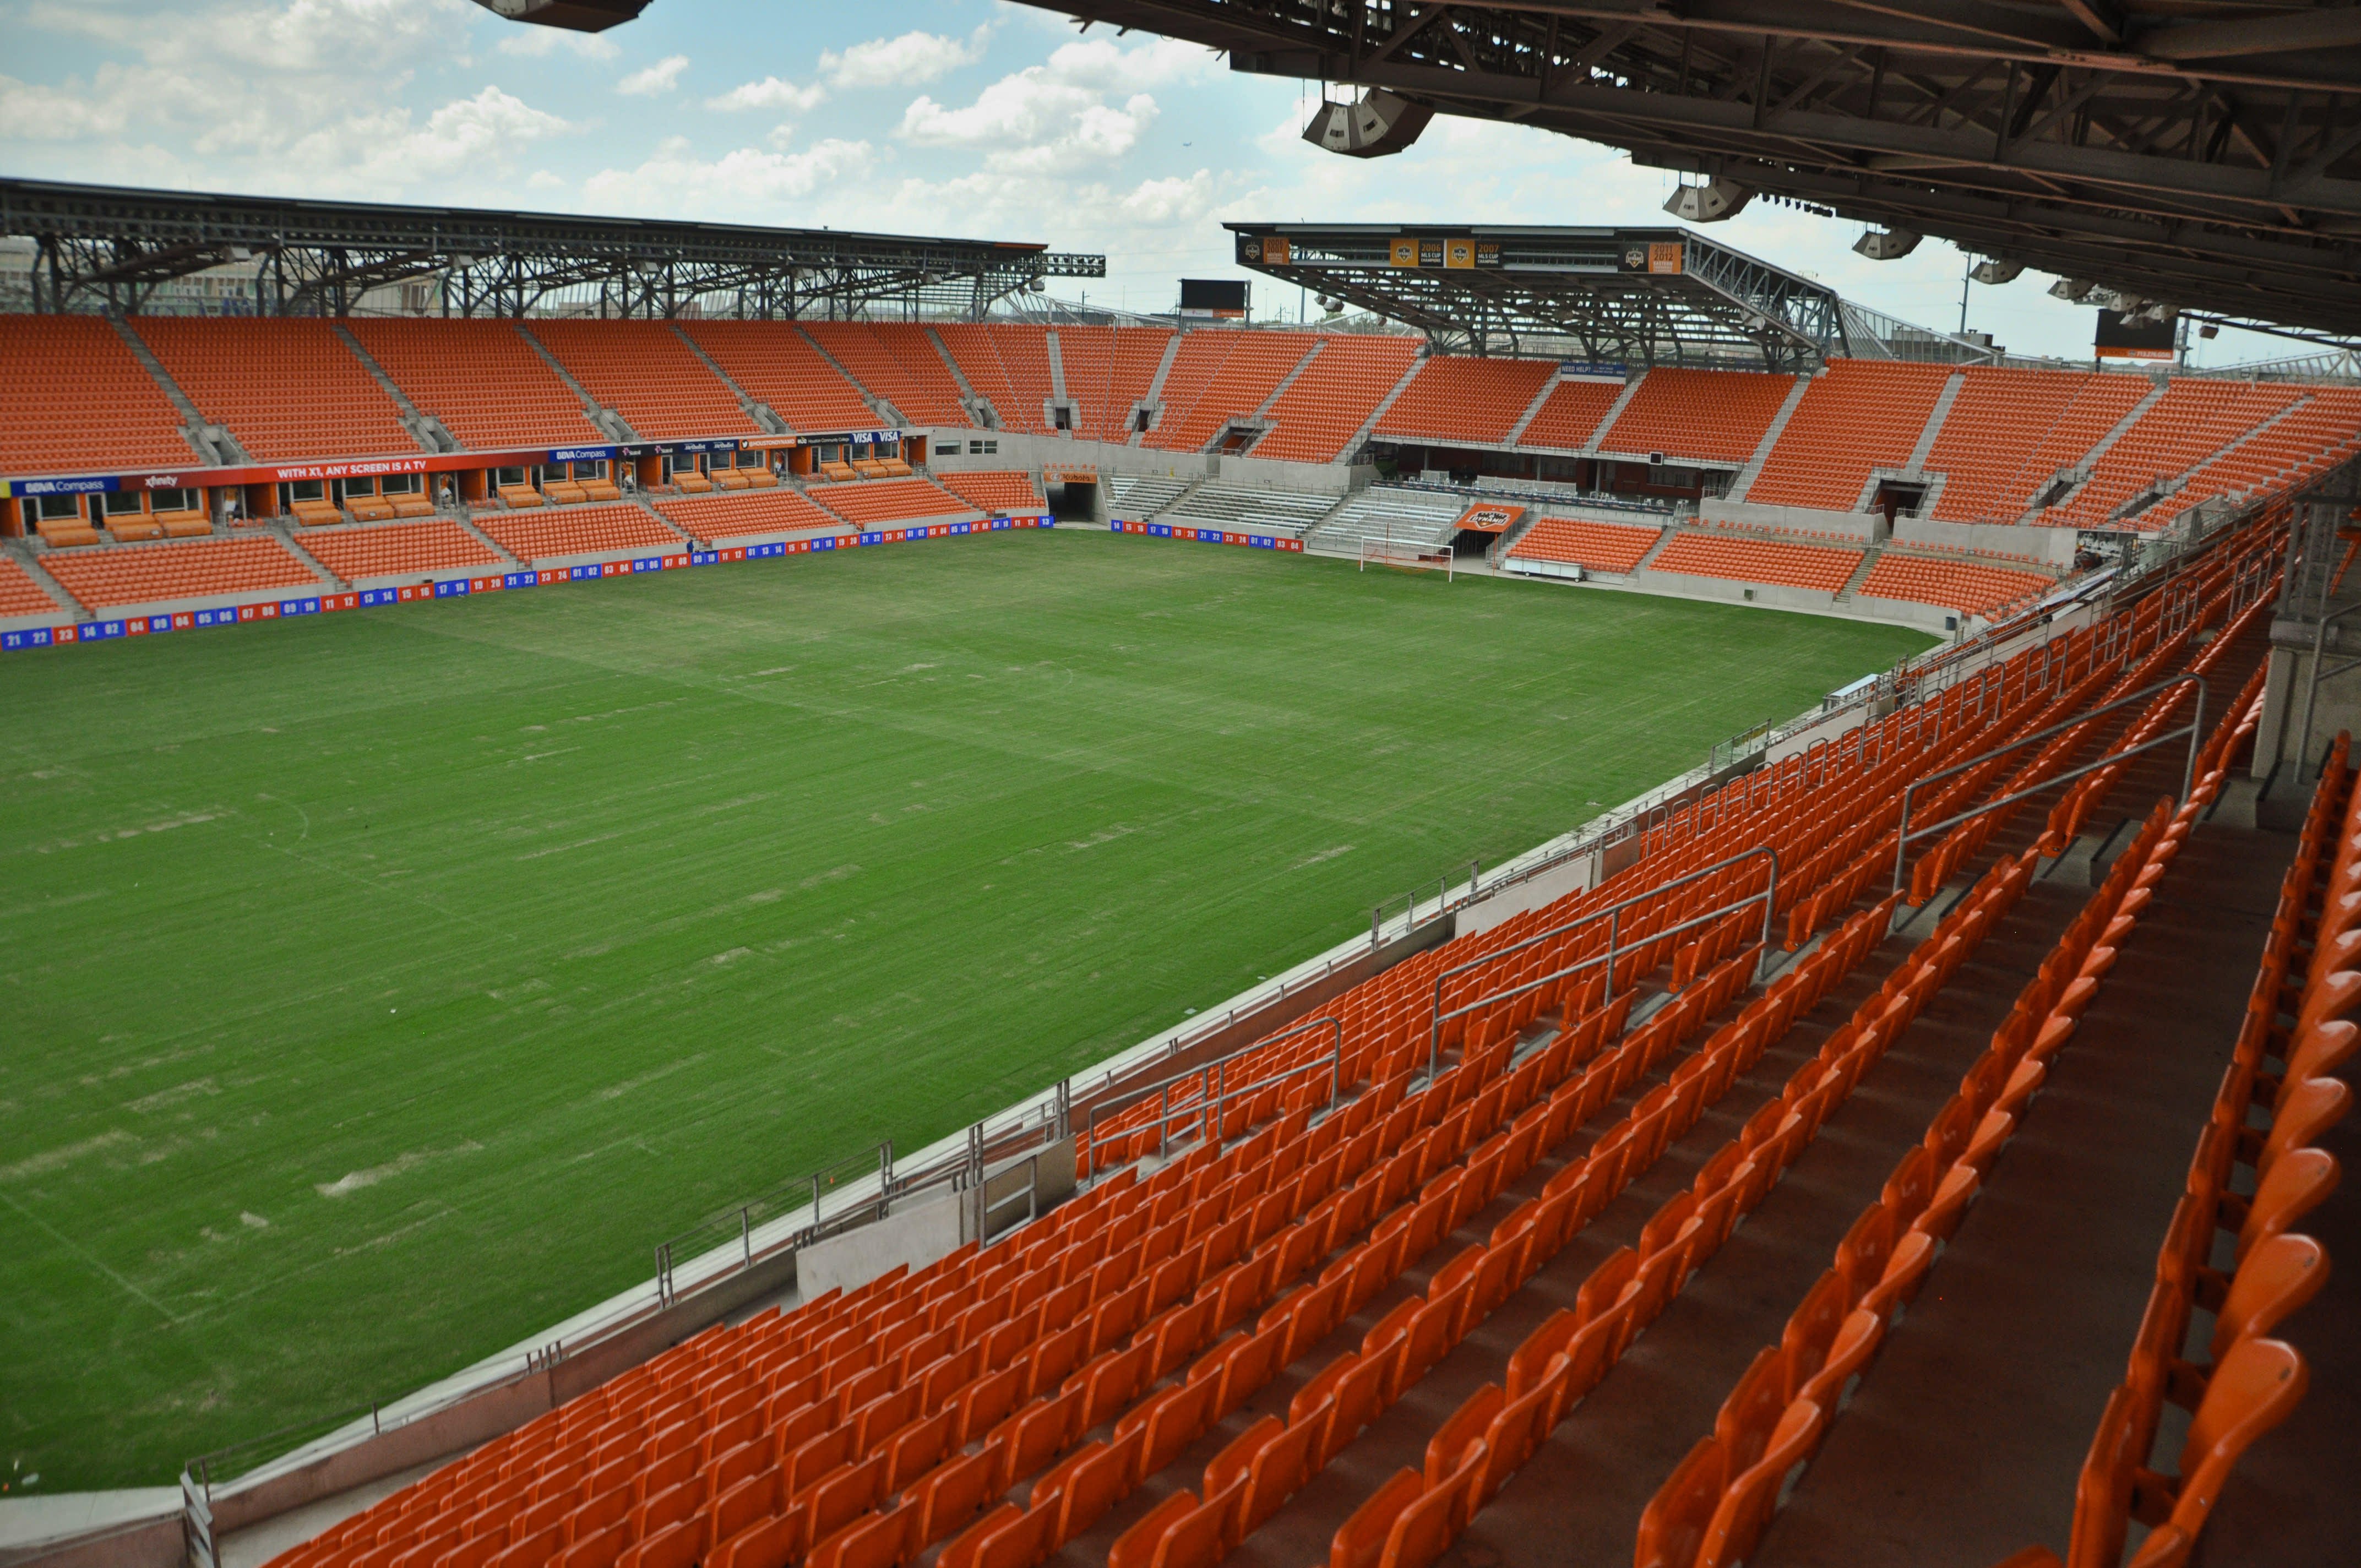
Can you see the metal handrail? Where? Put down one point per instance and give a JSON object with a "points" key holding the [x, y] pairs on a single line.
{"points": [[2188, 771], [1219, 1069], [1613, 916], [1414, 897], [2311, 688]]}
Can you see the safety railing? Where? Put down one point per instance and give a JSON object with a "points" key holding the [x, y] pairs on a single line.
{"points": [[1214, 1092], [1613, 916], [704, 1240], [1410, 901], [2311, 688], [2193, 730]]}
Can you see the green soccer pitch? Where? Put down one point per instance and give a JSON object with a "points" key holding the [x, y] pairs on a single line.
{"points": [[378, 988]]}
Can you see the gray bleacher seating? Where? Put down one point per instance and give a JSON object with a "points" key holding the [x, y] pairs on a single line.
{"points": [[1136, 497], [1391, 511], [1247, 508]]}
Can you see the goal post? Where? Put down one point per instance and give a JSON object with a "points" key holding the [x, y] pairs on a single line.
{"points": [[1408, 554]]}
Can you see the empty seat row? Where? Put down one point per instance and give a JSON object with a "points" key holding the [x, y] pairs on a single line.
{"points": [[1759, 560], [1334, 396], [288, 388], [1453, 398], [999, 491], [79, 397], [1218, 376], [870, 502], [576, 530], [1966, 586], [196, 568], [1596, 546], [1718, 416], [710, 517], [398, 550]]}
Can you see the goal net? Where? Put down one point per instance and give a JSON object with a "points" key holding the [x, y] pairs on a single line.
{"points": [[1409, 554]]}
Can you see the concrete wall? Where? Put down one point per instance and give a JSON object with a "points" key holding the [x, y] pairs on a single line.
{"points": [[915, 1235], [1866, 527], [1924, 618], [1576, 875], [1022, 450], [2052, 546]]}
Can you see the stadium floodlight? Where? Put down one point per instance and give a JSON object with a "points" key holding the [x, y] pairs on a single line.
{"points": [[2156, 312], [577, 15], [2210, 329], [2074, 290], [2123, 301], [1709, 202], [647, 267], [1886, 245], [461, 259], [1993, 269]]}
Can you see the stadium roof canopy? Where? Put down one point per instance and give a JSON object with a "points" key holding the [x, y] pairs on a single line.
{"points": [[106, 245], [2182, 151], [1652, 296]]}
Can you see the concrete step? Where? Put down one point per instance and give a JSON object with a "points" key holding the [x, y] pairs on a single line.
{"points": [[608, 420], [423, 427], [1754, 468], [761, 413]]}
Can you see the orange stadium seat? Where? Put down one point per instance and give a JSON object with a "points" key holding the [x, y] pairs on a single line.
{"points": [[871, 501], [2194, 420], [1963, 586], [19, 595], [777, 365], [710, 517], [196, 568], [76, 395], [1365, 1226], [575, 530], [1600, 546], [483, 380], [1716, 415], [1003, 493], [1759, 560], [1109, 370], [899, 362], [646, 373], [288, 388], [2009, 431], [1454, 399], [1220, 374], [1009, 364], [1569, 416], [399, 549], [1857, 415], [1339, 388], [2323, 431]]}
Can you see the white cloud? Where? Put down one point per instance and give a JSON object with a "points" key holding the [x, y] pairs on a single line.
{"points": [[661, 77], [904, 61], [545, 180], [463, 135], [533, 43], [1057, 117], [770, 94], [745, 183]]}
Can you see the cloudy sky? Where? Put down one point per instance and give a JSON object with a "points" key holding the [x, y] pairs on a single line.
{"points": [[971, 117]]}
